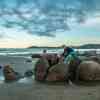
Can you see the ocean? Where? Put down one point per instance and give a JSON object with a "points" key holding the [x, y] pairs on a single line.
{"points": [[30, 51], [26, 51]]}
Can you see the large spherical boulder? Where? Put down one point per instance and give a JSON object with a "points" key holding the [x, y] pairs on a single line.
{"points": [[40, 69], [9, 73], [89, 71], [58, 72]]}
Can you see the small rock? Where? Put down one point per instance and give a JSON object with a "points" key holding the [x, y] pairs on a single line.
{"points": [[28, 73], [28, 60]]}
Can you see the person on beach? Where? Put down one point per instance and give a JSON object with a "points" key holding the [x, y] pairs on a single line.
{"points": [[68, 55], [46, 56], [71, 58], [51, 58], [44, 52]]}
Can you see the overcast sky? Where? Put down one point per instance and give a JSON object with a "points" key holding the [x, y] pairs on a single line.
{"points": [[49, 23]]}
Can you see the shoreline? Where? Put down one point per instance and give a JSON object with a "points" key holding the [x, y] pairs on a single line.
{"points": [[29, 89]]}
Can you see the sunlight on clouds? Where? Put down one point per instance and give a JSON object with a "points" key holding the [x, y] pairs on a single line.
{"points": [[90, 22], [14, 44], [20, 39], [28, 41]]}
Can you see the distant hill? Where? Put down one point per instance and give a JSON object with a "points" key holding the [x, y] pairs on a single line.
{"points": [[44, 47], [86, 46]]}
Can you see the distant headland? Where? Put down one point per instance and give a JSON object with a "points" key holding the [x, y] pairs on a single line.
{"points": [[85, 46]]}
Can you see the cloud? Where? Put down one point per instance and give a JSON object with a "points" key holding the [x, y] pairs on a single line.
{"points": [[44, 17], [92, 22], [1, 36]]}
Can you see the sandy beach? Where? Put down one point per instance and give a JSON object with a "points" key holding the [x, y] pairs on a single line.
{"points": [[28, 89]]}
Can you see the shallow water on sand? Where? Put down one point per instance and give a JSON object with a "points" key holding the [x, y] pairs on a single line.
{"points": [[1, 79], [1, 76], [20, 65], [24, 80]]}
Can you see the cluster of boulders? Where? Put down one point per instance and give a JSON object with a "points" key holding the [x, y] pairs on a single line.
{"points": [[50, 70], [87, 70]]}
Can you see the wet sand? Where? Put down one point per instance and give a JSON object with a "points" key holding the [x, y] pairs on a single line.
{"points": [[28, 89]]}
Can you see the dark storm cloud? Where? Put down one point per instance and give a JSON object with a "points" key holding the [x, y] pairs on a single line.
{"points": [[45, 17]]}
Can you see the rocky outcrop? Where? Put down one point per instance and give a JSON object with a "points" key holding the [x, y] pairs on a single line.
{"points": [[89, 71], [28, 73]]}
